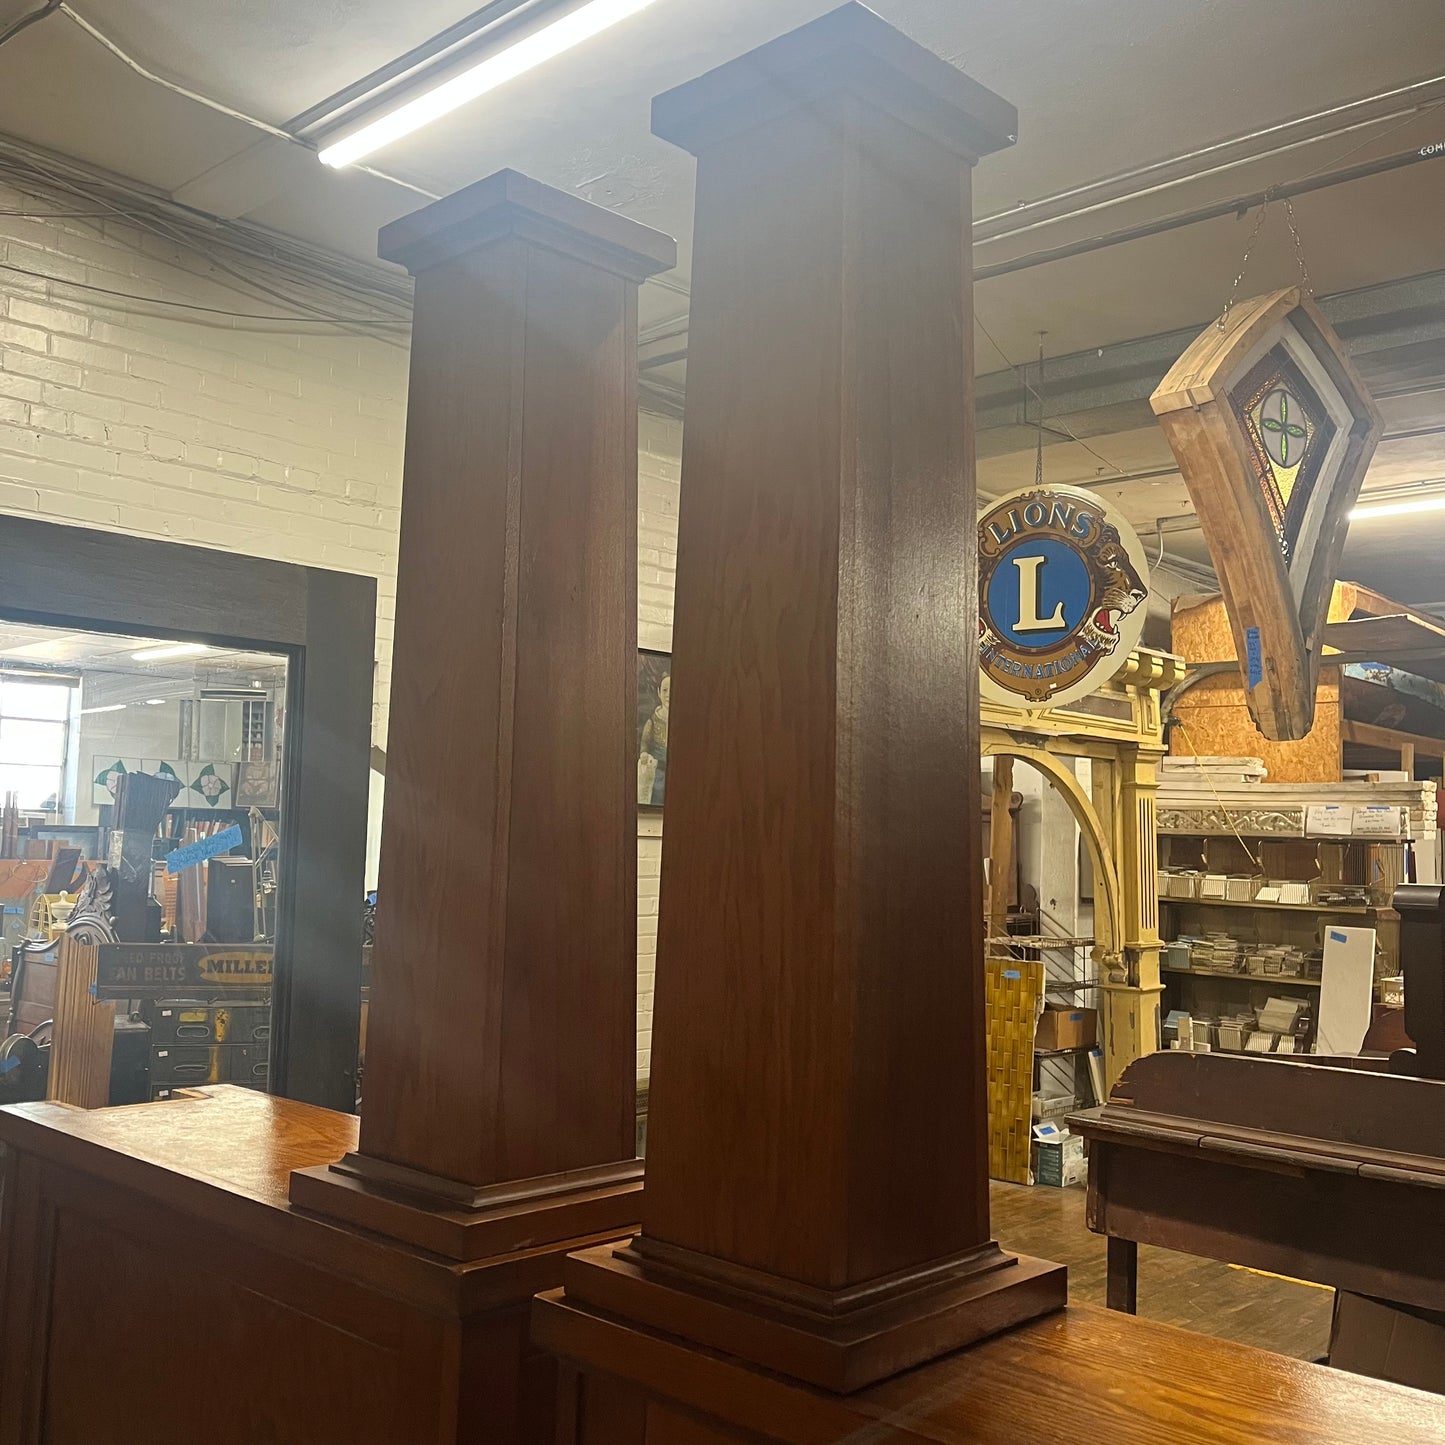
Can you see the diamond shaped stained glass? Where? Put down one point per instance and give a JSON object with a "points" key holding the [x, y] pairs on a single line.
{"points": [[1289, 431]]}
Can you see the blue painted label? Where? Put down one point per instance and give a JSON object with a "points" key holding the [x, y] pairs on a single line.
{"points": [[1012, 973], [1254, 655], [1337, 937], [179, 859]]}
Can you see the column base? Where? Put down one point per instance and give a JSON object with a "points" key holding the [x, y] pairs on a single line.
{"points": [[841, 1341], [463, 1223]]}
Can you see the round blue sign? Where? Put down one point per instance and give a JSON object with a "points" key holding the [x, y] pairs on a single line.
{"points": [[1038, 593]]}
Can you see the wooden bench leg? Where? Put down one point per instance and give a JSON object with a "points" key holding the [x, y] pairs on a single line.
{"points": [[1123, 1284]]}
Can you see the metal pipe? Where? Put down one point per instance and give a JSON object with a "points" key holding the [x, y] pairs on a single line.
{"points": [[1219, 156], [1238, 206]]}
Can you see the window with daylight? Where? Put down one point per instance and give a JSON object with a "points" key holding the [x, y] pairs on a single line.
{"points": [[34, 732]]}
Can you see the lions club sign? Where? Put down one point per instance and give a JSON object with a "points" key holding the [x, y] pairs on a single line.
{"points": [[1061, 586]]}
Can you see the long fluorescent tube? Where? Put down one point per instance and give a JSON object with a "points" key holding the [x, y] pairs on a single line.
{"points": [[109, 707], [1398, 509], [495, 70], [171, 649]]}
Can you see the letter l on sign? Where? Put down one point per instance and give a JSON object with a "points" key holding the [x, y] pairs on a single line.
{"points": [[1031, 598]]}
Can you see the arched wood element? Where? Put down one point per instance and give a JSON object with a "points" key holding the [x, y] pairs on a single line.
{"points": [[1108, 928]]}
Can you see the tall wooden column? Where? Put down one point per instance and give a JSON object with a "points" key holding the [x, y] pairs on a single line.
{"points": [[817, 1196], [500, 1080]]}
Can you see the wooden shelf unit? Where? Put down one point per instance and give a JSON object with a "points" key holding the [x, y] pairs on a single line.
{"points": [[1261, 829]]}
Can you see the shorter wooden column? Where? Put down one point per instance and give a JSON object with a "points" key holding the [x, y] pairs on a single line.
{"points": [[498, 1115], [499, 1095]]}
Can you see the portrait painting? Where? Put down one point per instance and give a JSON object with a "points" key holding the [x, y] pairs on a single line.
{"points": [[654, 688]]}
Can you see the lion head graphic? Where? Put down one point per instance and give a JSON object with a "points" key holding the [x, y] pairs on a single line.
{"points": [[1124, 590]]}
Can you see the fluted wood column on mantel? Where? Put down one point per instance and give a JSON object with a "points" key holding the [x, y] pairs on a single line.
{"points": [[499, 1099], [817, 1198]]}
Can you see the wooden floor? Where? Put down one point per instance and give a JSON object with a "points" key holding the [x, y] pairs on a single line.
{"points": [[1196, 1294]]}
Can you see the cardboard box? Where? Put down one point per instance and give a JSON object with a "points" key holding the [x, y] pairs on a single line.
{"points": [[1387, 1342], [1058, 1156], [1067, 1028]]}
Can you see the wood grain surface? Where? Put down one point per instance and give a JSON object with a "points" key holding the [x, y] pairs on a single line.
{"points": [[817, 1096], [501, 1032], [1195, 411], [1080, 1374], [156, 1284]]}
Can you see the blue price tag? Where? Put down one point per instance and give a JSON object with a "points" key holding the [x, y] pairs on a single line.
{"points": [[1254, 654], [181, 858]]}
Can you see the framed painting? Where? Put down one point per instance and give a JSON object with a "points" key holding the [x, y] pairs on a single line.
{"points": [[654, 688]]}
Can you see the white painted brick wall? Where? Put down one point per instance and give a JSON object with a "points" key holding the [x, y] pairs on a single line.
{"points": [[273, 443], [214, 432]]}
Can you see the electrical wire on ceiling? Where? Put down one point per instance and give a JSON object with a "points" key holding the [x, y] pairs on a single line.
{"points": [[173, 235], [1022, 374], [26, 21], [1180, 567], [194, 306], [390, 300], [53, 7]]}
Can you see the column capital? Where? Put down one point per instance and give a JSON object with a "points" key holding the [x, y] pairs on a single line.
{"points": [[510, 204], [849, 51]]}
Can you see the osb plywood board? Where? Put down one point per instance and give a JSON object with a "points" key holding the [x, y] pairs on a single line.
{"points": [[1215, 722], [1200, 625]]}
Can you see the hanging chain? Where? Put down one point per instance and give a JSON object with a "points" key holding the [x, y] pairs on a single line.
{"points": [[1243, 265], [1039, 451], [1306, 285], [1299, 250]]}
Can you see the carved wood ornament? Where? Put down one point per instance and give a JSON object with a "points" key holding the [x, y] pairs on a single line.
{"points": [[1273, 429]]}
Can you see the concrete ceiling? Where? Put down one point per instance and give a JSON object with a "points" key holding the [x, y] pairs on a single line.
{"points": [[1102, 88]]}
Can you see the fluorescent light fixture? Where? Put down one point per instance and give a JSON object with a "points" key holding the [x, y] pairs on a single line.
{"points": [[110, 707], [155, 702], [171, 649], [1398, 509], [495, 70]]}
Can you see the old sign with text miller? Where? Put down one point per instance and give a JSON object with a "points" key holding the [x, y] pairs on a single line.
{"points": [[1061, 590], [170, 970]]}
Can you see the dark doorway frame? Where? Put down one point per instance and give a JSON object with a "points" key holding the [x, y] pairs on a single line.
{"points": [[324, 623]]}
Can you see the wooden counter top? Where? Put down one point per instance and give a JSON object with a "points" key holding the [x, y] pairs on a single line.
{"points": [[1083, 1374], [226, 1157], [234, 1139]]}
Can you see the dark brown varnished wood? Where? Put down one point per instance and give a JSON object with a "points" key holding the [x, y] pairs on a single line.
{"points": [[817, 1191], [245, 1319], [1123, 1275], [1076, 1375], [1288, 1167], [500, 1096], [501, 1033]]}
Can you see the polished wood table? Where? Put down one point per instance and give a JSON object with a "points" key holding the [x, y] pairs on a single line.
{"points": [[1329, 1174], [157, 1284], [1081, 1374]]}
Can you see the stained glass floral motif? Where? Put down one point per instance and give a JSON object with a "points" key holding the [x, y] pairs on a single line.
{"points": [[1289, 433], [209, 788]]}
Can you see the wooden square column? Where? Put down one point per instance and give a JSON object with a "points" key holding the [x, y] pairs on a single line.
{"points": [[817, 1197], [500, 1080]]}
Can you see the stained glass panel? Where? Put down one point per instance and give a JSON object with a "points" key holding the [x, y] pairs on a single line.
{"points": [[1289, 433]]}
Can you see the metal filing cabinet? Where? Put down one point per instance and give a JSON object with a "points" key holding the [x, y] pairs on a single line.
{"points": [[200, 1041]]}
